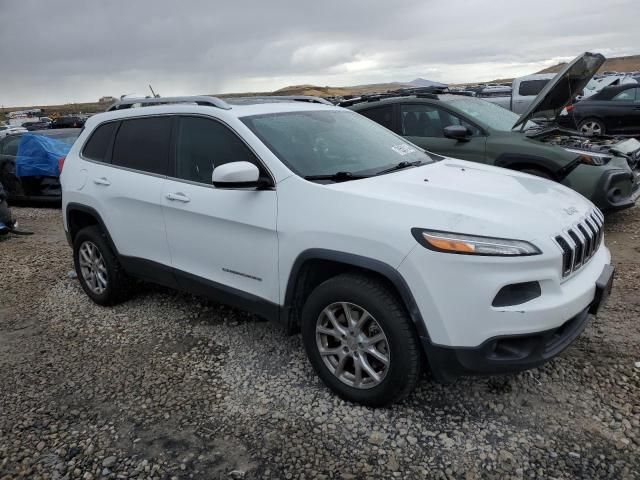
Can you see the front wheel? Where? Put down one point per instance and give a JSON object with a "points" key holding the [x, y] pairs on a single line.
{"points": [[360, 340]]}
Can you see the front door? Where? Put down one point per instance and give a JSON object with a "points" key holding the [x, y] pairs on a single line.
{"points": [[221, 240], [423, 124], [624, 111]]}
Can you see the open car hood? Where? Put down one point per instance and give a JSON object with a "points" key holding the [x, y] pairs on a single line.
{"points": [[563, 88]]}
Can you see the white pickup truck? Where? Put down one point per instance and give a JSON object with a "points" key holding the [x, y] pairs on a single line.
{"points": [[523, 91]]}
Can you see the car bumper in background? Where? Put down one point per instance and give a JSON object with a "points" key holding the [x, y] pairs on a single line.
{"points": [[617, 190]]}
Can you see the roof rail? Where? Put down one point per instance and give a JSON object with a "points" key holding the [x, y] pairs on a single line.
{"points": [[199, 100], [279, 98]]}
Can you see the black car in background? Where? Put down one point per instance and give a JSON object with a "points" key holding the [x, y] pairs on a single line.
{"points": [[39, 125], [69, 121], [40, 188], [613, 110]]}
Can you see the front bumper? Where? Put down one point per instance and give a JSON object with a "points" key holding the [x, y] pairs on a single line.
{"points": [[514, 353], [505, 354], [617, 190], [463, 333]]}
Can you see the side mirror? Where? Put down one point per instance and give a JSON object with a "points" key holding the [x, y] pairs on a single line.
{"points": [[236, 175], [457, 132]]}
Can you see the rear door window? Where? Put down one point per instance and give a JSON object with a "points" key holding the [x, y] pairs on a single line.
{"points": [[531, 88], [10, 147], [99, 142], [629, 95], [143, 144], [381, 115]]}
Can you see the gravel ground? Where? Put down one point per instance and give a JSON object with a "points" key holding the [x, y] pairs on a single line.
{"points": [[171, 386]]}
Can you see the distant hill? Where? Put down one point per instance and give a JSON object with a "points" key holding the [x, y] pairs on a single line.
{"points": [[614, 64], [618, 64]]}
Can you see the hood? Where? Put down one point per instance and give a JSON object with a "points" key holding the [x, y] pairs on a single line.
{"points": [[455, 195], [563, 88]]}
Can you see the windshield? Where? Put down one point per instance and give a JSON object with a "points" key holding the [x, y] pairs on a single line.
{"points": [[487, 113], [326, 142]]}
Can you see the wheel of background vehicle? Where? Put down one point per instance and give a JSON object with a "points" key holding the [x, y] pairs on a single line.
{"points": [[360, 340], [100, 274], [536, 172], [591, 127]]}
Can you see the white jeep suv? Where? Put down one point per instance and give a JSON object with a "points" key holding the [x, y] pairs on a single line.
{"points": [[382, 254]]}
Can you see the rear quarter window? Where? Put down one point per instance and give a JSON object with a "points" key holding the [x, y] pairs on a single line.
{"points": [[530, 88], [99, 142], [143, 144]]}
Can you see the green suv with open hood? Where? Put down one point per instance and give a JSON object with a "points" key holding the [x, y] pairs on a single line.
{"points": [[604, 169]]}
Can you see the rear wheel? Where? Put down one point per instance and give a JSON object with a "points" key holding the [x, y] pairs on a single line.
{"points": [[100, 274], [360, 340], [591, 127]]}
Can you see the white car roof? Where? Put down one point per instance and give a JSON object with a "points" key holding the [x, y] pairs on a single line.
{"points": [[236, 110]]}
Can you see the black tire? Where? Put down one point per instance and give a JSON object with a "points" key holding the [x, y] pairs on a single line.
{"points": [[118, 282], [592, 124], [375, 297], [537, 173]]}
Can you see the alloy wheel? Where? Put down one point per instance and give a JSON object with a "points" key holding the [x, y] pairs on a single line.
{"points": [[352, 345], [93, 267], [591, 128]]}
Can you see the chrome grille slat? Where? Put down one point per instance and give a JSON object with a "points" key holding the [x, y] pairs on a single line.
{"points": [[580, 242]]}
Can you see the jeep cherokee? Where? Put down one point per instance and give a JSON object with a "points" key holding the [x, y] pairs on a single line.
{"points": [[321, 219]]}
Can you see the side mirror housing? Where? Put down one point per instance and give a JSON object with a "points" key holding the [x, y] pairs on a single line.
{"points": [[236, 175], [457, 132]]}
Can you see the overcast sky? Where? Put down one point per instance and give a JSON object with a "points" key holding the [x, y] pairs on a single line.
{"points": [[60, 51]]}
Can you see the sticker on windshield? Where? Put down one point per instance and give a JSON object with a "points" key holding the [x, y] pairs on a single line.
{"points": [[403, 149]]}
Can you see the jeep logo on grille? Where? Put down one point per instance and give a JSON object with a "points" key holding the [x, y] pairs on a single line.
{"points": [[570, 210]]}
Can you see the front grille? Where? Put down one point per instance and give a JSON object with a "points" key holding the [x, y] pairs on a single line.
{"points": [[580, 242]]}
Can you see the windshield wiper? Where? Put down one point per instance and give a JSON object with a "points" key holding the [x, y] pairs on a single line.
{"points": [[400, 166], [336, 177]]}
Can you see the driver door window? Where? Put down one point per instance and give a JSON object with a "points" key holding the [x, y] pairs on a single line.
{"points": [[429, 121], [204, 144]]}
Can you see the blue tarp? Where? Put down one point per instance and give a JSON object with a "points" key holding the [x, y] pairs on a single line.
{"points": [[38, 155]]}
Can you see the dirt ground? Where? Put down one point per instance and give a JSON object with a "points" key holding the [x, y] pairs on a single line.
{"points": [[168, 385]]}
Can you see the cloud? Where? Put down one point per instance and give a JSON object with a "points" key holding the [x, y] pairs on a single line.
{"points": [[78, 50]]}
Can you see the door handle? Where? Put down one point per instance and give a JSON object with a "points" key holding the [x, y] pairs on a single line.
{"points": [[102, 181], [178, 196]]}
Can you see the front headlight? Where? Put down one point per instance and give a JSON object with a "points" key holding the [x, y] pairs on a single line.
{"points": [[595, 160], [450, 242]]}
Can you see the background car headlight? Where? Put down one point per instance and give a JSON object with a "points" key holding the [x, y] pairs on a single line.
{"points": [[594, 159], [464, 244]]}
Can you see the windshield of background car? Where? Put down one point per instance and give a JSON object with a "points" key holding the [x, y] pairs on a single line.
{"points": [[487, 113], [326, 142]]}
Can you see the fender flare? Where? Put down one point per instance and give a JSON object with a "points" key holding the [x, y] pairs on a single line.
{"points": [[71, 207], [366, 263], [515, 160]]}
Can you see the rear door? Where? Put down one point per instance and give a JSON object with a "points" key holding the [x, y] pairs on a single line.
{"points": [[125, 177], [423, 124], [220, 239]]}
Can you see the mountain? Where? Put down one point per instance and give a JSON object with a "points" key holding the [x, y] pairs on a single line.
{"points": [[423, 82]]}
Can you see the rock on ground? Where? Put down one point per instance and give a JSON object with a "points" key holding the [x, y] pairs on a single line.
{"points": [[168, 385]]}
